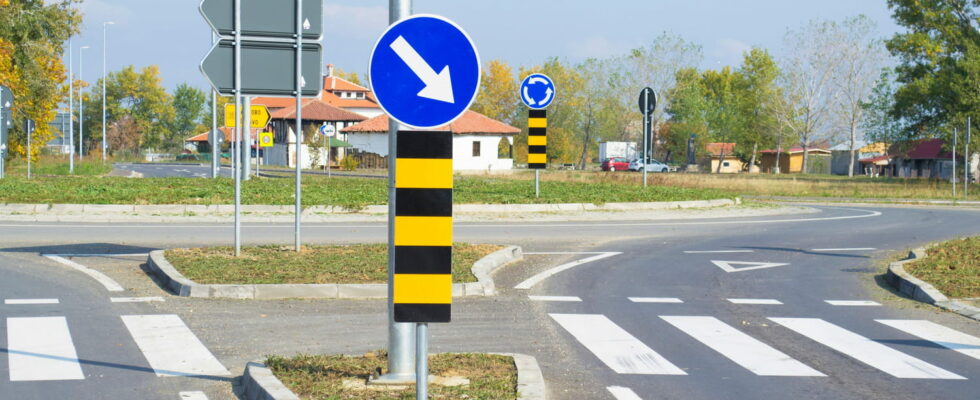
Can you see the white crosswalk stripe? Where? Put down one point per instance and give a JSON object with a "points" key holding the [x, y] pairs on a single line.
{"points": [[619, 350], [170, 347], [877, 355], [739, 347], [938, 334], [623, 393], [41, 349]]}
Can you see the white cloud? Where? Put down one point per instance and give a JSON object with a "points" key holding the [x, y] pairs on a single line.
{"points": [[595, 46], [727, 51], [95, 12]]}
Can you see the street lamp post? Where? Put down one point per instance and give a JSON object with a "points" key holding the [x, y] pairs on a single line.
{"points": [[81, 106], [105, 25], [71, 111]]}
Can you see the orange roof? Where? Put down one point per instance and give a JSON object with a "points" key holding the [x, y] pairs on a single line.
{"points": [[317, 110], [470, 123], [336, 101], [337, 83], [206, 136], [716, 149], [277, 102]]}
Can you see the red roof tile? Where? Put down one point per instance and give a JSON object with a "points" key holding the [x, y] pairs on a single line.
{"points": [[331, 83], [316, 110], [277, 102], [929, 149], [716, 149], [796, 150], [470, 123], [206, 136], [334, 100]]}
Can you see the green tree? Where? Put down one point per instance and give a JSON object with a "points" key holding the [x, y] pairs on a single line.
{"points": [[140, 96], [877, 121], [189, 111], [31, 36], [563, 113], [758, 73], [939, 64]]}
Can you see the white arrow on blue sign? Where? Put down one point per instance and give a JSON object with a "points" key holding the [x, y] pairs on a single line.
{"points": [[424, 71], [537, 91]]}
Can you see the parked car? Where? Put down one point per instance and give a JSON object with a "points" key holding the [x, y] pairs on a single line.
{"points": [[615, 164], [652, 166]]}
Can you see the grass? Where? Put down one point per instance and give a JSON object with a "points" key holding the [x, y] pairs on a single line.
{"points": [[953, 267], [360, 263], [317, 377], [319, 190], [47, 166]]}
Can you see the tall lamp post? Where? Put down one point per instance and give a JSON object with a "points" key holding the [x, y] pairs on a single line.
{"points": [[71, 111], [81, 106], [105, 25]]}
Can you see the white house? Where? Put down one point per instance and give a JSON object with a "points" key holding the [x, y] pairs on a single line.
{"points": [[343, 94], [476, 140]]}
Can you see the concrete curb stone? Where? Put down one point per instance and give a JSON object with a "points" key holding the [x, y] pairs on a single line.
{"points": [[921, 290], [261, 384], [179, 285]]}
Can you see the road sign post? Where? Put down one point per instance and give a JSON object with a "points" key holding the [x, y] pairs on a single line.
{"points": [[29, 131], [537, 91], [648, 103], [260, 65], [327, 131], [403, 75]]}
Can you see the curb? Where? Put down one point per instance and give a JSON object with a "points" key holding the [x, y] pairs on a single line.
{"points": [[275, 213], [260, 384], [179, 285], [921, 290]]}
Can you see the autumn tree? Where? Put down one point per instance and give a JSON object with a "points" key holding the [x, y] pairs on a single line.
{"points": [[31, 37], [140, 96], [189, 111], [497, 97], [563, 113]]}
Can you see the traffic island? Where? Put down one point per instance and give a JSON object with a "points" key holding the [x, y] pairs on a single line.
{"points": [[279, 272], [953, 266], [453, 375]]}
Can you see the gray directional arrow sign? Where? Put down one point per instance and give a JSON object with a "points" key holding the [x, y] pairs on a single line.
{"points": [[268, 68], [6, 101], [269, 18]]}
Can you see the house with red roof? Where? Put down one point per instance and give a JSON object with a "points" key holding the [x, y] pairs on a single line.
{"points": [[479, 142], [723, 154], [315, 115], [923, 158], [346, 95]]}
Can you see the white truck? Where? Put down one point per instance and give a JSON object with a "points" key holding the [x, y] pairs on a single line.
{"points": [[608, 150]]}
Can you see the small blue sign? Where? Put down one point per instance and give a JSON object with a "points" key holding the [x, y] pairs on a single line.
{"points": [[537, 91], [424, 71]]}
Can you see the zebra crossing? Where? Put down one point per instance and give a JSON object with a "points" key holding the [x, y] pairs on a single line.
{"points": [[624, 353], [43, 349]]}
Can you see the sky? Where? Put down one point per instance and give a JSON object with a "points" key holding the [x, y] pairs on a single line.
{"points": [[174, 35]]}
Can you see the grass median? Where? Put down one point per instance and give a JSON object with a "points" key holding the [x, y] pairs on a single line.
{"points": [[953, 267], [314, 377], [349, 192], [359, 263]]}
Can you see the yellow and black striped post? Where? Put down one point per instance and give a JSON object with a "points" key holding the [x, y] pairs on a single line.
{"points": [[423, 226], [537, 139]]}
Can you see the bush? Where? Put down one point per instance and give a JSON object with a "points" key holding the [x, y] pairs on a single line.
{"points": [[349, 163]]}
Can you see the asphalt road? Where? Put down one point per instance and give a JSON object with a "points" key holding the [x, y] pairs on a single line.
{"points": [[682, 336]]}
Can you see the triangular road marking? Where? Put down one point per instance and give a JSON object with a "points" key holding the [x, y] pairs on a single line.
{"points": [[729, 266]]}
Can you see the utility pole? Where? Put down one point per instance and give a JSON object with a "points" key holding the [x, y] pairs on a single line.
{"points": [[299, 122], [71, 111], [105, 25], [81, 106], [215, 143]]}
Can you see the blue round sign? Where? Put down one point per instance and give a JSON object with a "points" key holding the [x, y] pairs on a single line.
{"points": [[537, 91], [424, 71]]}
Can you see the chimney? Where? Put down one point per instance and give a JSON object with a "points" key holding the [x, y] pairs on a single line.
{"points": [[329, 69]]}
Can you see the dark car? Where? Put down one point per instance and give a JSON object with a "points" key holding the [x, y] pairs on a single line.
{"points": [[615, 164]]}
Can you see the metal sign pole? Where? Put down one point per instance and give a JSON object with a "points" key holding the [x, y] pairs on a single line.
{"points": [[646, 127], [537, 183], [71, 113], [29, 131], [328, 154], [299, 119], [401, 335], [966, 163], [238, 129], [246, 145], [3, 140], [215, 143], [422, 361], [954, 163]]}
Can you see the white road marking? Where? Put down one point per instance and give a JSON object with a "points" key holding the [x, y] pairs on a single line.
{"points": [[135, 299], [739, 347], [538, 253], [938, 334], [110, 284], [170, 347], [555, 298], [848, 249], [41, 349], [30, 301], [193, 396], [729, 266], [534, 280], [755, 301], [853, 303], [716, 251], [623, 393], [655, 300], [877, 355], [868, 214], [615, 347]]}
